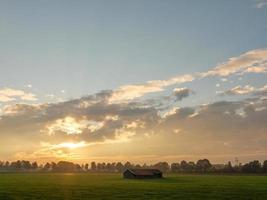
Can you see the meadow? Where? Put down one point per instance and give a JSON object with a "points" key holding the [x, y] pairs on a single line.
{"points": [[112, 186]]}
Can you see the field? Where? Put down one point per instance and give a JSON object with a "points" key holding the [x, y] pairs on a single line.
{"points": [[112, 186]]}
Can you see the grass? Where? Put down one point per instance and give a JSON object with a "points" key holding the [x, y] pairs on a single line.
{"points": [[112, 186]]}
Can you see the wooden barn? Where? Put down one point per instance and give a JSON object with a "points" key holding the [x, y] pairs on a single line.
{"points": [[142, 173]]}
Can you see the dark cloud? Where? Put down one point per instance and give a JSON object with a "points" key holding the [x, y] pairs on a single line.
{"points": [[241, 125], [181, 93], [261, 91], [34, 120], [246, 90], [233, 119]]}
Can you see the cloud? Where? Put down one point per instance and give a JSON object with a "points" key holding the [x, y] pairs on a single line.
{"points": [[240, 124], [69, 125], [130, 92], [260, 3], [239, 90], [97, 121], [20, 109], [250, 62], [4, 98], [65, 128], [179, 113], [261, 91], [254, 61], [170, 112], [9, 94], [260, 69], [181, 93], [78, 128], [245, 62]]}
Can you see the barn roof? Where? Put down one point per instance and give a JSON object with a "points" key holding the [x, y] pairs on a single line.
{"points": [[145, 172]]}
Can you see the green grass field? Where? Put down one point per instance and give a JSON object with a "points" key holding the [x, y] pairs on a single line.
{"points": [[112, 186]]}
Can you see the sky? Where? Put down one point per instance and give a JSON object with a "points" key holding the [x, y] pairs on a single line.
{"points": [[139, 81]]}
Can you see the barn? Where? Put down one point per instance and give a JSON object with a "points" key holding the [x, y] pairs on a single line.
{"points": [[142, 173]]}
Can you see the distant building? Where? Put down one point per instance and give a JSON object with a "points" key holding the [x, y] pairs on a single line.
{"points": [[142, 173]]}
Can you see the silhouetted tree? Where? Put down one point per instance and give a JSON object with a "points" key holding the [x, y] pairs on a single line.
{"points": [[2, 164], [252, 167], [53, 166], [185, 167], [113, 166], [65, 166], [127, 165], [7, 165], [86, 167], [138, 166], [78, 168], [35, 165], [144, 166], [264, 166], [15, 165], [108, 167], [93, 166], [163, 166], [119, 167], [229, 168], [191, 166], [203, 165], [101, 166], [26, 165], [47, 167], [175, 167]]}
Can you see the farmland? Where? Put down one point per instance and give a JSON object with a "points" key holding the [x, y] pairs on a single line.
{"points": [[112, 186]]}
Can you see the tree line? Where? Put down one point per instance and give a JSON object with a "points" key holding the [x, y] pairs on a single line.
{"points": [[201, 166]]}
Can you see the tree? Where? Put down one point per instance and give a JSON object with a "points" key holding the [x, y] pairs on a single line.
{"points": [[203, 165], [34, 165], [16, 165], [138, 166], [47, 167], [127, 165], [93, 166], [175, 167], [187, 166], [163, 166], [78, 168], [7, 165], [113, 166], [101, 166], [65, 166], [53, 165], [26, 165], [108, 167], [144, 166], [252, 167], [229, 168], [1, 164], [86, 167], [264, 166], [191, 166], [119, 167]]}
